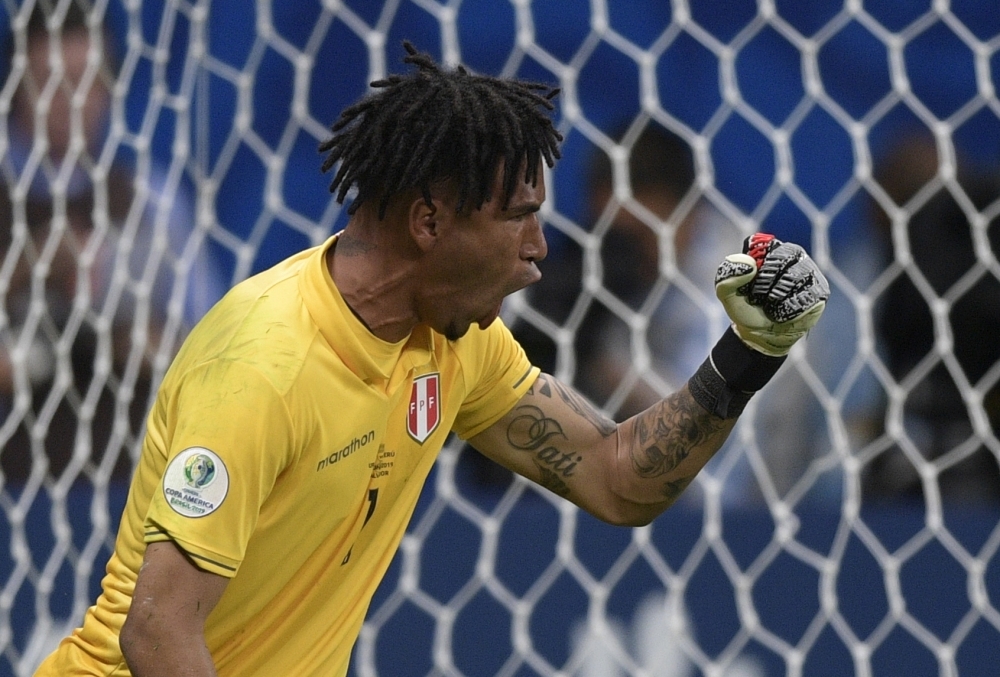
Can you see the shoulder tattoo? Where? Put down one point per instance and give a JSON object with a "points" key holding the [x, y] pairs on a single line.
{"points": [[548, 386]]}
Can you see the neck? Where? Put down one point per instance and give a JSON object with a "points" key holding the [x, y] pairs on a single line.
{"points": [[374, 280]]}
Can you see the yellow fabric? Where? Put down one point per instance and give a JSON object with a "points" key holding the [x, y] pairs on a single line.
{"points": [[304, 415]]}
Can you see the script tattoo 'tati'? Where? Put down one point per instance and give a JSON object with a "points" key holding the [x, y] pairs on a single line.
{"points": [[531, 430]]}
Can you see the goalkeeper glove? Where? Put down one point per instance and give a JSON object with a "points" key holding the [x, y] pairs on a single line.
{"points": [[773, 293]]}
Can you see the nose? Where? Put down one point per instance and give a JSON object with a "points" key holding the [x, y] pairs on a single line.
{"points": [[533, 246]]}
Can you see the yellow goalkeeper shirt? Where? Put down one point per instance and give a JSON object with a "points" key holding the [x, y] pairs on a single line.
{"points": [[286, 450]]}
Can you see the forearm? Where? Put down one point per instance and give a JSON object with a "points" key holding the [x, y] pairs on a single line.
{"points": [[624, 474], [662, 449]]}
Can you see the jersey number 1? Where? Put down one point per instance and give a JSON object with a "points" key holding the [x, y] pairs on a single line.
{"points": [[372, 500]]}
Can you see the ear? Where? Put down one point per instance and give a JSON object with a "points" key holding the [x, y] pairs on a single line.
{"points": [[424, 222]]}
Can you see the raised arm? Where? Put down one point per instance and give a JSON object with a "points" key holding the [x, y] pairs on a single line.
{"points": [[624, 474], [629, 473]]}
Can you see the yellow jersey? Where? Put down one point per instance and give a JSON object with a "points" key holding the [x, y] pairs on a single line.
{"points": [[286, 450]]}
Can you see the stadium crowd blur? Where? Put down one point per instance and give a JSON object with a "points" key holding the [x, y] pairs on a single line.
{"points": [[943, 242], [72, 227]]}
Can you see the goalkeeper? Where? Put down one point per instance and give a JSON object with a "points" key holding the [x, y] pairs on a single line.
{"points": [[291, 437]]}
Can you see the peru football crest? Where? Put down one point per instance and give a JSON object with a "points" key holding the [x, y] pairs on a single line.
{"points": [[424, 412]]}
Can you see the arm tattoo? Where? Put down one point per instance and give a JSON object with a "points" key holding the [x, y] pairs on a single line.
{"points": [[552, 481], [531, 430], [666, 434], [578, 403]]}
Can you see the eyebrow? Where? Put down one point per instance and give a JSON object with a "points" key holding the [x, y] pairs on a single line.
{"points": [[526, 208]]}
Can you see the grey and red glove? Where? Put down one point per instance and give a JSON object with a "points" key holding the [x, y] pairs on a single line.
{"points": [[773, 292]]}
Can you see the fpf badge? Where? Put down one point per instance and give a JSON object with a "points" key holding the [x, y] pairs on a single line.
{"points": [[424, 412]]}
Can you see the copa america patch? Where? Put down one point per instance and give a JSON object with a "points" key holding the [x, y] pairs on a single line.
{"points": [[196, 482], [424, 412]]}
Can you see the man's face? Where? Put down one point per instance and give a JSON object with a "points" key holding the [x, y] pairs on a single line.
{"points": [[482, 256]]}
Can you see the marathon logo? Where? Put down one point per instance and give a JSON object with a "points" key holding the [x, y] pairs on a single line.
{"points": [[343, 453]]}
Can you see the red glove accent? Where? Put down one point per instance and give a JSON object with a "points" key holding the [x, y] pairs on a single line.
{"points": [[757, 246]]}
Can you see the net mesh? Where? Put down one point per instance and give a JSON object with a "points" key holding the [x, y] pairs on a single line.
{"points": [[850, 524]]}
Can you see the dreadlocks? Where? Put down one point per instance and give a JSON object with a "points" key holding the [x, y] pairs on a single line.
{"points": [[432, 125]]}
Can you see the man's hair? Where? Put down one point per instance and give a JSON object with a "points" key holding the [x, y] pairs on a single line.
{"points": [[432, 126]]}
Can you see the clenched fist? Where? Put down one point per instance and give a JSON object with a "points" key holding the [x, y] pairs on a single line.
{"points": [[773, 292]]}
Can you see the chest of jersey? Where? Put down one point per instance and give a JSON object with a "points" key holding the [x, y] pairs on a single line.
{"points": [[366, 448]]}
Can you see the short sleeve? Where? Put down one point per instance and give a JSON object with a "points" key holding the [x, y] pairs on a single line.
{"points": [[498, 374], [229, 437]]}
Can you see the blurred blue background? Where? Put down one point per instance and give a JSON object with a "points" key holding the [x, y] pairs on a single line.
{"points": [[277, 156]]}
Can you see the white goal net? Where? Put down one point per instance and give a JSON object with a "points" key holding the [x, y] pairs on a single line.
{"points": [[154, 152]]}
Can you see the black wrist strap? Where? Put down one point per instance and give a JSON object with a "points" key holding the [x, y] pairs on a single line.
{"points": [[734, 371]]}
